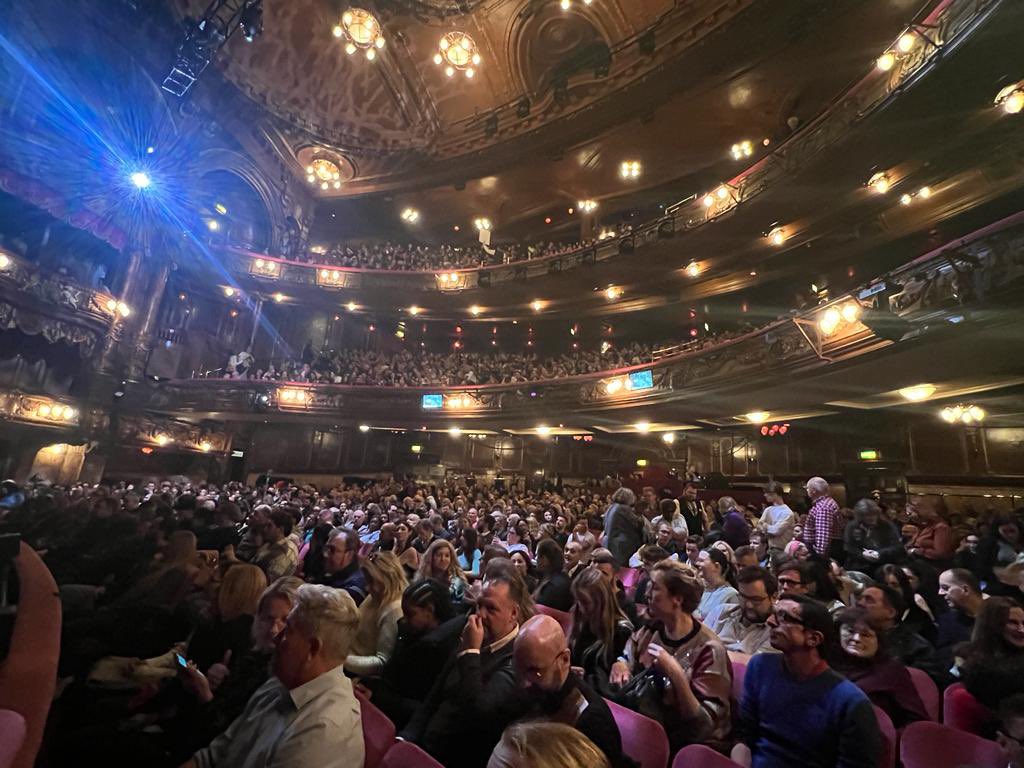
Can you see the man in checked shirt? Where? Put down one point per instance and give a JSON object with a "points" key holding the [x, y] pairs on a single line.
{"points": [[823, 528]]}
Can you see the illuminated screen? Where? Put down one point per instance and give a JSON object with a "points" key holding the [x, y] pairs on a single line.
{"points": [[432, 402], [641, 380]]}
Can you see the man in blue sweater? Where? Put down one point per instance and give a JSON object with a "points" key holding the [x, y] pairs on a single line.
{"points": [[795, 710]]}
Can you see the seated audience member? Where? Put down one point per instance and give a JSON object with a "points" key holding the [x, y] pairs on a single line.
{"points": [[735, 528], [861, 657], [743, 627], [341, 564], [537, 744], [307, 713], [542, 662], [278, 556], [470, 553], [600, 629], [933, 540], [523, 564], [576, 558], [962, 592], [441, 564], [603, 561], [717, 574], [554, 589], [746, 557], [916, 614], [427, 636], [476, 695], [777, 520], [230, 630], [378, 615], [693, 549], [517, 537], [871, 540], [1010, 732], [1001, 547], [992, 664], [220, 695], [795, 711], [793, 577], [424, 536], [671, 514], [581, 535], [687, 653], [884, 607], [650, 555]]}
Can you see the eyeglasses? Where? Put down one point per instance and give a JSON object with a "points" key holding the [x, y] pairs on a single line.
{"points": [[784, 617], [790, 582]]}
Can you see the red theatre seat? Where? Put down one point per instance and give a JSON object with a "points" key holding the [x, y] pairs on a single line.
{"points": [[928, 691], [563, 618], [960, 710], [12, 735], [629, 577], [931, 745], [378, 733], [406, 755], [643, 739], [699, 756], [888, 731]]}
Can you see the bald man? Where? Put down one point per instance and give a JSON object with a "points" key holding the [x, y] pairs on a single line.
{"points": [[541, 656]]}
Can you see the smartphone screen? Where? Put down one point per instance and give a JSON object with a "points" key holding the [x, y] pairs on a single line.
{"points": [[180, 661]]}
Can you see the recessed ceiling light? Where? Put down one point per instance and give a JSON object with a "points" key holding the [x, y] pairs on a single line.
{"points": [[757, 417], [918, 392]]}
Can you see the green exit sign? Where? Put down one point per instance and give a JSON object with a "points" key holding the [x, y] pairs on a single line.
{"points": [[869, 455]]}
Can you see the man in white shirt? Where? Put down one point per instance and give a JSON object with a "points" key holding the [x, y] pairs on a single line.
{"points": [[306, 716], [777, 520]]}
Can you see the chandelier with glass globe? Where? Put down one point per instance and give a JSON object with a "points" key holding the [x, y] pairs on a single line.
{"points": [[361, 31], [324, 173], [457, 52]]}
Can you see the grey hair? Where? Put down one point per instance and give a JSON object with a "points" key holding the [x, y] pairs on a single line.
{"points": [[819, 484], [330, 615], [624, 496], [284, 588], [865, 507]]}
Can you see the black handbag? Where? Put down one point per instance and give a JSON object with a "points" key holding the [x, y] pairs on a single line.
{"points": [[645, 693]]}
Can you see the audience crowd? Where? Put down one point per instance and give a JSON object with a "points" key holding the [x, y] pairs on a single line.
{"points": [[237, 625], [426, 258], [415, 368]]}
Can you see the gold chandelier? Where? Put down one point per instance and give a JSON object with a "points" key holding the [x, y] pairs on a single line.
{"points": [[324, 172], [457, 52], [362, 32]]}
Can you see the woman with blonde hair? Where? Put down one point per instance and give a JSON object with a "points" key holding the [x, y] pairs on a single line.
{"points": [[546, 745], [600, 630], [378, 615], [440, 562]]}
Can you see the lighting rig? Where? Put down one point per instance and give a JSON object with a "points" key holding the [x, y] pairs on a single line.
{"points": [[204, 39]]}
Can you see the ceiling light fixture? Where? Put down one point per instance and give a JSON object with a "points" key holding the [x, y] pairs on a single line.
{"points": [[924, 192], [586, 206], [668, 438], [777, 236], [457, 52], [630, 169], [757, 417], [741, 150], [536, 305], [543, 430], [414, 310], [906, 199], [279, 297], [474, 310], [351, 306], [483, 224], [880, 182], [454, 431], [323, 173], [906, 42], [709, 200], [693, 269], [643, 427], [364, 427], [410, 215], [886, 61], [361, 31], [1011, 98], [963, 414], [612, 292], [918, 392]]}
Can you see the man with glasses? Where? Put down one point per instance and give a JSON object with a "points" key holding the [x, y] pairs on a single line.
{"points": [[793, 579], [743, 628], [341, 563], [542, 660], [795, 710]]}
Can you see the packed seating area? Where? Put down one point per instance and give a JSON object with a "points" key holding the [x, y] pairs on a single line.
{"points": [[576, 626], [424, 258], [418, 368]]}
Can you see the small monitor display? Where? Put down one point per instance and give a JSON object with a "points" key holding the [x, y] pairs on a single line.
{"points": [[641, 379], [433, 402]]}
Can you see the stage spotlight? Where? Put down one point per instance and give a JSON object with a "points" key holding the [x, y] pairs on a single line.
{"points": [[141, 179]]}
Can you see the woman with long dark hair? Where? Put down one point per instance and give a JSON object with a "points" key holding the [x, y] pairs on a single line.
{"points": [[992, 665], [719, 585], [915, 614]]}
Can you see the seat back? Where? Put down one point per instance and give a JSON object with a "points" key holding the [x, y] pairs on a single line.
{"points": [[643, 739], [12, 734], [960, 710], [927, 745], [928, 691], [888, 731], [739, 670], [406, 755], [378, 733], [629, 577], [562, 617], [699, 756]]}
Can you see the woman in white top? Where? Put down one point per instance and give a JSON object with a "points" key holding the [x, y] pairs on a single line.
{"points": [[671, 514], [777, 520], [717, 574], [378, 615]]}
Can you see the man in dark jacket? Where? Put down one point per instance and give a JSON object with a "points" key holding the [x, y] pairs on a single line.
{"points": [[476, 695], [870, 540], [542, 662], [341, 563]]}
